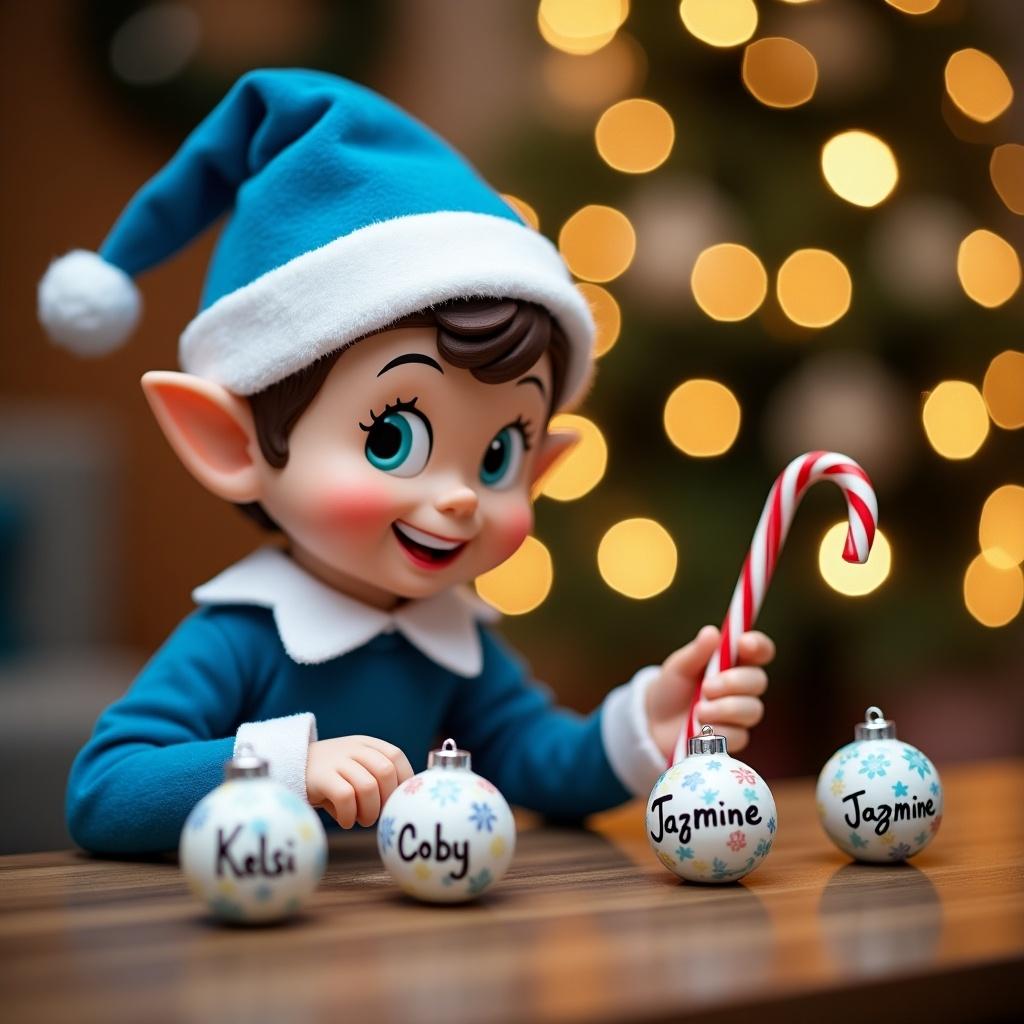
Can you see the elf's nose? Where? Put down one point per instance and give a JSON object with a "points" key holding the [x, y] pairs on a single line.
{"points": [[458, 500]]}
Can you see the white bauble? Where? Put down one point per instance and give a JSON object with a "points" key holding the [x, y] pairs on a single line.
{"points": [[711, 818], [446, 835], [252, 850], [879, 799]]}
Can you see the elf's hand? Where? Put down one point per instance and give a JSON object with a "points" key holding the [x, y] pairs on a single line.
{"points": [[730, 701], [351, 777]]}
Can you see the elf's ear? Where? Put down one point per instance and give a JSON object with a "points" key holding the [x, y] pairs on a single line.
{"points": [[552, 449], [211, 430]]}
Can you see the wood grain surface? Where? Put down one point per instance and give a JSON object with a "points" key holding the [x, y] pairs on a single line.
{"points": [[587, 926]]}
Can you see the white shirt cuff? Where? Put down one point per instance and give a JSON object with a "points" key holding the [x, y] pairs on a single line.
{"points": [[284, 743], [629, 746]]}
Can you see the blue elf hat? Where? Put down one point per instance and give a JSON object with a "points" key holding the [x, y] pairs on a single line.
{"points": [[344, 214]]}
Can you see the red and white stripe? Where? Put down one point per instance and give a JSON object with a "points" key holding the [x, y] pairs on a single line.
{"points": [[770, 535]]}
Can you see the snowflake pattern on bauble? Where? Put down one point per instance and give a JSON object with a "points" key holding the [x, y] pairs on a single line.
{"points": [[386, 832], [874, 764], [445, 791], [483, 817], [917, 762]]}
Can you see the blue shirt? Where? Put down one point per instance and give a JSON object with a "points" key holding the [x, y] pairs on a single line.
{"points": [[158, 750]]}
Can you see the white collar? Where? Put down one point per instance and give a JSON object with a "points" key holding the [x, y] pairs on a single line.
{"points": [[316, 622]]}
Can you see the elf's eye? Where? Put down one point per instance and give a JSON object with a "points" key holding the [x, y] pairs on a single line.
{"points": [[398, 441], [499, 467]]}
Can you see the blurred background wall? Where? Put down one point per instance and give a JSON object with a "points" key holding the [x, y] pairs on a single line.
{"points": [[799, 225]]}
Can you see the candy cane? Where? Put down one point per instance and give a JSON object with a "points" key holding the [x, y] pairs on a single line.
{"points": [[785, 495]]}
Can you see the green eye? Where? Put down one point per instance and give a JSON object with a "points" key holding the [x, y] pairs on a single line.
{"points": [[399, 442], [500, 465]]}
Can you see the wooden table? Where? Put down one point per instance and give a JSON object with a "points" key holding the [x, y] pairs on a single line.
{"points": [[587, 926]]}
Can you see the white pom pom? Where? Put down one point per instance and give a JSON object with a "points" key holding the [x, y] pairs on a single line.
{"points": [[86, 304]]}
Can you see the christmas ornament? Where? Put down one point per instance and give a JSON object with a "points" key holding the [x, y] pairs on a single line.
{"points": [[252, 849], [711, 818], [446, 835], [785, 495], [880, 799]]}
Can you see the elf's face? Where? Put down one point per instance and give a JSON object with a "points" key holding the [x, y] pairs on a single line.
{"points": [[405, 474]]}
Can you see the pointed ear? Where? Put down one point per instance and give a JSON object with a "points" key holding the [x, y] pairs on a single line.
{"points": [[553, 448], [211, 430]]}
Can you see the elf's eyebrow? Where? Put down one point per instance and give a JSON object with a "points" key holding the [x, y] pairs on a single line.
{"points": [[533, 380], [411, 357]]}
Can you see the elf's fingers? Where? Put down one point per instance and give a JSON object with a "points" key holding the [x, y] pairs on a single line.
{"points": [[367, 791], [394, 754], [740, 711], [756, 648], [742, 680], [735, 738], [690, 661], [339, 798], [381, 768]]}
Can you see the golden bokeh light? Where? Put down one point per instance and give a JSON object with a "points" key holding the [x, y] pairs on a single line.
{"points": [[779, 72], [580, 26], [520, 583], [524, 209], [988, 268], [586, 84], [606, 313], [728, 281], [914, 6], [859, 167], [635, 136], [1003, 390], [702, 418], [637, 557], [992, 595], [1001, 530], [1006, 168], [853, 580], [814, 287], [582, 469], [955, 419], [597, 242], [977, 85], [719, 22]]}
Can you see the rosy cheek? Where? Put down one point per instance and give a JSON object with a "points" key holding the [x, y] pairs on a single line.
{"points": [[512, 529], [358, 507]]}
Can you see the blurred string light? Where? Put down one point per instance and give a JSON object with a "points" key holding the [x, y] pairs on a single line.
{"points": [[988, 268], [913, 248], [586, 84], [597, 243], [155, 44], [728, 282], [720, 23], [955, 419], [814, 288], [853, 580], [1003, 390], [779, 72], [914, 6], [702, 418], [635, 136], [580, 26], [637, 557], [844, 400], [1001, 529], [1006, 168], [524, 209], [606, 313], [677, 218], [977, 85], [522, 582], [582, 469], [859, 167], [992, 595]]}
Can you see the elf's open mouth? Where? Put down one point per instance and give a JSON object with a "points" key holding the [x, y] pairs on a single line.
{"points": [[425, 549]]}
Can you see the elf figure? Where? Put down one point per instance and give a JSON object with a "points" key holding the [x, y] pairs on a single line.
{"points": [[380, 346]]}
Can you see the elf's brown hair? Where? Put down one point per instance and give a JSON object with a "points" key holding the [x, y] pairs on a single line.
{"points": [[495, 339]]}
